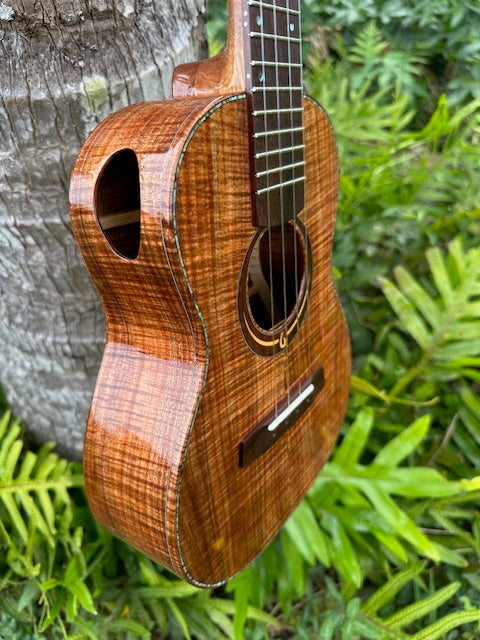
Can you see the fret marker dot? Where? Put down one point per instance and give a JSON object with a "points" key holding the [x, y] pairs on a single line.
{"points": [[262, 77], [292, 27], [259, 21], [245, 24]]}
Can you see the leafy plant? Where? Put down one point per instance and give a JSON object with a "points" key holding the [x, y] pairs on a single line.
{"points": [[63, 575], [444, 34], [442, 316], [401, 189], [353, 519], [433, 349], [387, 541]]}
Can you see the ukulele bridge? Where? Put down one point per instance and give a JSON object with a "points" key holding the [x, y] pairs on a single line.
{"points": [[281, 419]]}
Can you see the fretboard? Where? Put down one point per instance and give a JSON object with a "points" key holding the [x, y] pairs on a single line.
{"points": [[274, 85]]}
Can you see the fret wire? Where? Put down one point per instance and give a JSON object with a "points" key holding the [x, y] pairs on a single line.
{"points": [[266, 63], [273, 7], [264, 154], [287, 167], [263, 134], [280, 185], [271, 36], [293, 89], [270, 111]]}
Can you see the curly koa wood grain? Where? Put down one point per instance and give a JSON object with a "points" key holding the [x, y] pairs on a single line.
{"points": [[179, 388]]}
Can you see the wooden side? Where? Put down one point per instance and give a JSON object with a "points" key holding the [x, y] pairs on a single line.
{"points": [[154, 363], [227, 514]]}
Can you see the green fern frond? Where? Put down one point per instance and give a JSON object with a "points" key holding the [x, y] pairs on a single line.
{"points": [[417, 610], [368, 46], [352, 497], [389, 590], [441, 627], [31, 484], [445, 325]]}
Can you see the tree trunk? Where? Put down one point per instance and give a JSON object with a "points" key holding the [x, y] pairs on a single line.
{"points": [[64, 67]]}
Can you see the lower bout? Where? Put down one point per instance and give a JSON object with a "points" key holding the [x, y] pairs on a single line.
{"points": [[137, 432], [229, 513]]}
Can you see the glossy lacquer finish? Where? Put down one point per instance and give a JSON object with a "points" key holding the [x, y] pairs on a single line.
{"points": [[179, 390]]}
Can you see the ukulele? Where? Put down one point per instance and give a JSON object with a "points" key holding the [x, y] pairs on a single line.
{"points": [[206, 224]]}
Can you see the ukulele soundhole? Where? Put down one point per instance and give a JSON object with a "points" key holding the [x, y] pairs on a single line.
{"points": [[274, 287], [117, 203]]}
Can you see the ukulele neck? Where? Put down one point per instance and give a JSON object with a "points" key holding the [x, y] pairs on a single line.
{"points": [[273, 73], [263, 57]]}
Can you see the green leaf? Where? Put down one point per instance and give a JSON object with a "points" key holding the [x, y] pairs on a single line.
{"points": [[179, 617], [417, 610], [253, 613], [389, 590], [393, 544], [222, 621], [312, 533], [440, 275], [404, 444], [331, 625], [418, 296], [410, 320], [177, 589], [4, 423], [242, 584], [294, 562], [400, 522], [366, 388], [6, 444], [353, 444], [131, 626], [471, 402], [439, 123], [29, 592], [298, 536], [83, 595], [344, 558], [448, 556], [54, 612], [440, 628], [15, 516], [51, 583], [452, 346]]}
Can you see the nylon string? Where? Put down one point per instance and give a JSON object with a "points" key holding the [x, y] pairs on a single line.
{"points": [[292, 141], [269, 228], [282, 207]]}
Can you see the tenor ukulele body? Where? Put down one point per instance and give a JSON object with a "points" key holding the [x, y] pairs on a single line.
{"points": [[206, 224]]}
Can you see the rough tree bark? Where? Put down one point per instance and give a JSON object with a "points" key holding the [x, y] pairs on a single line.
{"points": [[64, 66]]}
